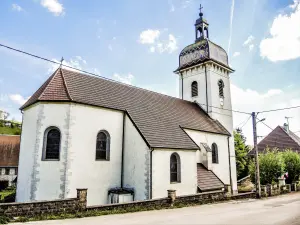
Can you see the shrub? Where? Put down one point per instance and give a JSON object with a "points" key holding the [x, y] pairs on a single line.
{"points": [[271, 166], [292, 165]]}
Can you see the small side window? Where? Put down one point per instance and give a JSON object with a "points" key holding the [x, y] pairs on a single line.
{"points": [[51, 150], [194, 88], [103, 146]]}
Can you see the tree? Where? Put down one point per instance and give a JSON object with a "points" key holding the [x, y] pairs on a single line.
{"points": [[292, 165], [241, 151], [271, 166]]}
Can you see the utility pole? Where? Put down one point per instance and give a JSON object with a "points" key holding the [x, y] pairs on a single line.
{"points": [[257, 175]]}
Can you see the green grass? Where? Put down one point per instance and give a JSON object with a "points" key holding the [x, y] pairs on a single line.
{"points": [[10, 131]]}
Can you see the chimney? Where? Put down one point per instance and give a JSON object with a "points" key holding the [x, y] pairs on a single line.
{"points": [[286, 127]]}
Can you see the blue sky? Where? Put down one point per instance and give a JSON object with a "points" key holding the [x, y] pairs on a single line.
{"points": [[138, 42]]}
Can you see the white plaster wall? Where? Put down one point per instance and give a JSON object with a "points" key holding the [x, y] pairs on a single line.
{"points": [[221, 169], [26, 154], [83, 170], [161, 173], [190, 75], [136, 162], [219, 112]]}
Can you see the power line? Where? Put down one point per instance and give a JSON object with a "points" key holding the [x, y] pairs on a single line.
{"points": [[274, 110], [232, 110], [51, 61], [265, 124], [244, 123], [93, 74]]}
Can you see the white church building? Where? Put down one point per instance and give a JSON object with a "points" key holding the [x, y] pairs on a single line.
{"points": [[124, 143]]}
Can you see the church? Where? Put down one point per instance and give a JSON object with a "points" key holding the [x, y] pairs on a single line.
{"points": [[125, 143]]}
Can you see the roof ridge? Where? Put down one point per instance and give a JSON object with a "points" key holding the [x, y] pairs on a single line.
{"points": [[289, 135], [129, 85], [65, 84], [47, 86]]}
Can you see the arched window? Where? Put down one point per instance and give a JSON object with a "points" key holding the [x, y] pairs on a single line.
{"points": [[51, 144], [102, 146], [221, 88], [194, 88], [175, 168], [215, 157]]}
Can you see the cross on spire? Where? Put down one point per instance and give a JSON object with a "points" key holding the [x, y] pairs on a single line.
{"points": [[61, 61], [201, 7]]}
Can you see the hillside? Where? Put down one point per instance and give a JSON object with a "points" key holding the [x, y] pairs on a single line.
{"points": [[10, 131]]}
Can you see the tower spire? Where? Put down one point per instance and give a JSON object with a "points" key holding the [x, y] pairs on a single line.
{"points": [[201, 27]]}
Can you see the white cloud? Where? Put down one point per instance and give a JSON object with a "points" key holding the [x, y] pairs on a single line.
{"points": [[127, 79], [152, 49], [169, 46], [236, 54], [284, 42], [172, 7], [16, 7], [152, 37], [249, 40], [54, 7], [110, 47], [149, 36], [17, 98], [295, 4], [251, 47], [249, 43], [248, 100], [186, 3]]}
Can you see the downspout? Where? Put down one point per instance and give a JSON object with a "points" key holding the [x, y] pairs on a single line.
{"points": [[181, 86], [230, 176], [123, 141], [206, 88]]}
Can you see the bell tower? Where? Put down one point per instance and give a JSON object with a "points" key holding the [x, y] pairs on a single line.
{"points": [[204, 78], [204, 75]]}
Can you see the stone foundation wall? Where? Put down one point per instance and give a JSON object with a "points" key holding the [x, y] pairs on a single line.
{"points": [[173, 200], [45, 207], [79, 204]]}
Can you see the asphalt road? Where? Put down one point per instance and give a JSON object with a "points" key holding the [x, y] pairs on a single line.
{"points": [[279, 210]]}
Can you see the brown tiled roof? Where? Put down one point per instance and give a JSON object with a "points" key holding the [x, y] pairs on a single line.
{"points": [[9, 150], [207, 180], [279, 139], [158, 117]]}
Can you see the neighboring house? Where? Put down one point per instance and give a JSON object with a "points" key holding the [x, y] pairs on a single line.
{"points": [[124, 142], [281, 138], [9, 159]]}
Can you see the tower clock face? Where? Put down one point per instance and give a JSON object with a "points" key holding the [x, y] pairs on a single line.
{"points": [[190, 57]]}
